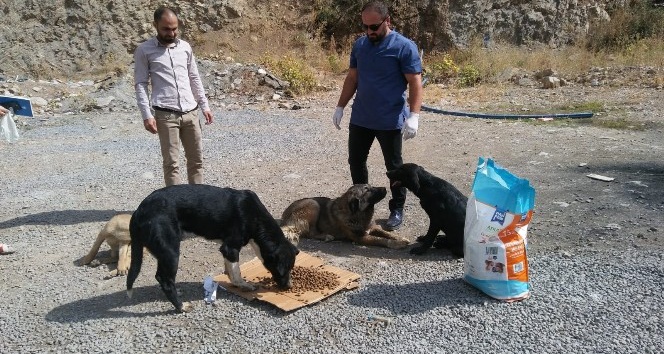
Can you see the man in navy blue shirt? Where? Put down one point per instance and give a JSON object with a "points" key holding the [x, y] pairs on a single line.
{"points": [[383, 64]]}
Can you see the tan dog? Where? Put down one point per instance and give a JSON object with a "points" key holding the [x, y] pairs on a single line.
{"points": [[349, 217], [116, 234]]}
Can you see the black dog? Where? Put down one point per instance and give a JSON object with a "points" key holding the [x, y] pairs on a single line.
{"points": [[233, 217], [443, 203]]}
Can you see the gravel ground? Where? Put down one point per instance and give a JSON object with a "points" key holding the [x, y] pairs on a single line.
{"points": [[595, 248]]}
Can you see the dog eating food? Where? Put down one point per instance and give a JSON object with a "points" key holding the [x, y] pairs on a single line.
{"points": [[232, 217]]}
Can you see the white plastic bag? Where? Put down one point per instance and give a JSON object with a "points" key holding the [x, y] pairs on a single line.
{"points": [[8, 127], [498, 212]]}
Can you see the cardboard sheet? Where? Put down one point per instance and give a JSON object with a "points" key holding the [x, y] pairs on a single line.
{"points": [[253, 271]]}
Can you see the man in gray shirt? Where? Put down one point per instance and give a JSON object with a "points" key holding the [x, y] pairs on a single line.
{"points": [[168, 64]]}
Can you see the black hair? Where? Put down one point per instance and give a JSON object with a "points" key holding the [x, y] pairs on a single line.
{"points": [[161, 11], [378, 7]]}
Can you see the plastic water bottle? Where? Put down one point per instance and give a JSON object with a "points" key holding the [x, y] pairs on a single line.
{"points": [[210, 289]]}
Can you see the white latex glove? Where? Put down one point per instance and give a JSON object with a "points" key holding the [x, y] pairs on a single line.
{"points": [[336, 117], [409, 129]]}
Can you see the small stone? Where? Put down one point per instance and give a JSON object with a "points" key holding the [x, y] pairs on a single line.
{"points": [[612, 227], [38, 101]]}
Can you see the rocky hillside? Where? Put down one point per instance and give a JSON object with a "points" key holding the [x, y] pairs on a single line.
{"points": [[65, 38]]}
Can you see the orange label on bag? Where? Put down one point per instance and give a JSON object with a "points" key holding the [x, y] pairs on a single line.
{"points": [[515, 248]]}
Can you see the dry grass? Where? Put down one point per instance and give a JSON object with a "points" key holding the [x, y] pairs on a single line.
{"points": [[266, 40], [567, 61]]}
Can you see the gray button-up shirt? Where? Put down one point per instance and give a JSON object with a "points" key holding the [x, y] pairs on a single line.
{"points": [[172, 69]]}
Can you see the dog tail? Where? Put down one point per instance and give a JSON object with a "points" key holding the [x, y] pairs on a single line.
{"points": [[295, 228], [291, 234], [136, 255]]}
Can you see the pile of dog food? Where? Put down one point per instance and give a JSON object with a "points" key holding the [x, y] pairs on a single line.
{"points": [[305, 279]]}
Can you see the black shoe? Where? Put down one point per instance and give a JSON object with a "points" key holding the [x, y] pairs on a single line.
{"points": [[395, 220]]}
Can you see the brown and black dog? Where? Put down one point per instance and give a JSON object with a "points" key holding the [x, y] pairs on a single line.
{"points": [[348, 217], [444, 204]]}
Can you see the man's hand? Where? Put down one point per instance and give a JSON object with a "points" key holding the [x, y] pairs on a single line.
{"points": [[150, 125], [409, 129], [336, 117], [208, 117]]}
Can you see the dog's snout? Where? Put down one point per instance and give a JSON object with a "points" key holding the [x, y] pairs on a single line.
{"points": [[285, 283]]}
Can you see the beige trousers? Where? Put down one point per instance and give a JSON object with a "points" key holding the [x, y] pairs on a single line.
{"points": [[173, 128]]}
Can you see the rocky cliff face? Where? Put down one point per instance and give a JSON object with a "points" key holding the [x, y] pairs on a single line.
{"points": [[71, 36], [441, 24], [66, 37], [551, 22]]}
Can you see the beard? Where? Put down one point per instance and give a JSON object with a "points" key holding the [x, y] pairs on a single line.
{"points": [[376, 37], [166, 40]]}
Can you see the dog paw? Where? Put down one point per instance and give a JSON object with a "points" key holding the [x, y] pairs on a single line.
{"points": [[440, 243], [398, 244], [246, 287], [328, 238], [119, 272], [187, 307]]}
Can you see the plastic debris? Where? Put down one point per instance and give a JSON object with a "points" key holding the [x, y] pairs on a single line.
{"points": [[210, 287], [600, 177], [377, 318]]}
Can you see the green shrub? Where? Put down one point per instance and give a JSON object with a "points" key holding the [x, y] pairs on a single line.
{"points": [[469, 76], [300, 77], [335, 63], [639, 20], [440, 69]]}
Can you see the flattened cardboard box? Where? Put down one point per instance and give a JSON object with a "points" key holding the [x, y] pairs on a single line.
{"points": [[253, 271]]}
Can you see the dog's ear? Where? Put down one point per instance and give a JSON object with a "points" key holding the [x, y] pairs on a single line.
{"points": [[354, 205]]}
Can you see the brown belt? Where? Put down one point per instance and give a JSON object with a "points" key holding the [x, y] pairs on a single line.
{"points": [[157, 108]]}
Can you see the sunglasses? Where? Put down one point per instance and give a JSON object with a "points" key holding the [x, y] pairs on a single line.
{"points": [[373, 27]]}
